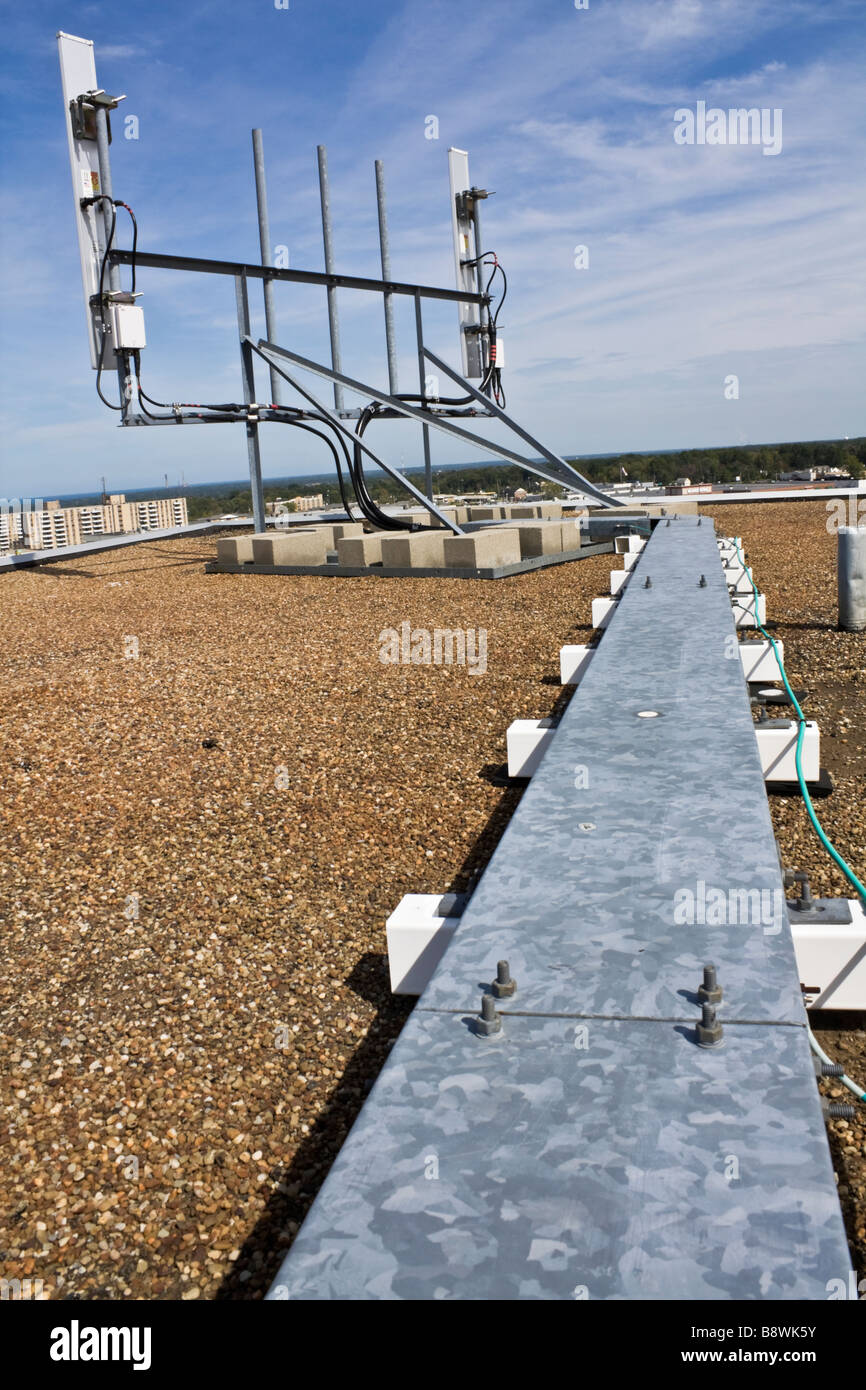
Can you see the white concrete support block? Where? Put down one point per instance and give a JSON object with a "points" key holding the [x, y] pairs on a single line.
{"points": [[526, 741], [759, 660], [618, 580], [602, 611], [573, 662], [739, 583], [831, 959], [485, 513], [777, 742], [744, 610], [628, 545], [550, 511], [418, 933], [630, 559]]}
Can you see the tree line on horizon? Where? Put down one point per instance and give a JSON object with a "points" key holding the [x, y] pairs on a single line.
{"points": [[744, 462]]}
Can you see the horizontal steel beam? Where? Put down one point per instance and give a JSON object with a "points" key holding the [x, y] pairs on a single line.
{"points": [[153, 261]]}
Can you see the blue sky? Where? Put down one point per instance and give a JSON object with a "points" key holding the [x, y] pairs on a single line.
{"points": [[704, 261]]}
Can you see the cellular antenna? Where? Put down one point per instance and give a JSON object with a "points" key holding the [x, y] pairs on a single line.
{"points": [[116, 331]]}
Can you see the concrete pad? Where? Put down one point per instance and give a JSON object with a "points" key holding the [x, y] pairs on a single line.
{"points": [[550, 511], [415, 550], [449, 512], [237, 550], [489, 549], [360, 550], [302, 548], [524, 512], [485, 513]]}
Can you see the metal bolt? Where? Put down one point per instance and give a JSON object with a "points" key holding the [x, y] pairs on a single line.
{"points": [[668, 522], [488, 1021], [710, 991], [709, 1030], [699, 520], [503, 986], [703, 582], [804, 902], [647, 583], [835, 1110]]}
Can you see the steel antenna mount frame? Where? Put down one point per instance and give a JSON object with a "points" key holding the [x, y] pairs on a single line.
{"points": [[87, 108]]}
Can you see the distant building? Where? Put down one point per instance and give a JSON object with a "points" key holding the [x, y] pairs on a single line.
{"points": [[688, 489], [297, 504], [53, 526]]}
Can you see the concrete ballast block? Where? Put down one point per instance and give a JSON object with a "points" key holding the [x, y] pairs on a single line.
{"points": [[359, 550], [543, 539], [415, 550], [489, 549], [237, 550], [300, 548]]}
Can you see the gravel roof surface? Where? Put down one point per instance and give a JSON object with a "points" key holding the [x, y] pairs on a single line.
{"points": [[202, 842]]}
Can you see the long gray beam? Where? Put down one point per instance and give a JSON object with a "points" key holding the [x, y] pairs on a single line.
{"points": [[591, 1148], [206, 266]]}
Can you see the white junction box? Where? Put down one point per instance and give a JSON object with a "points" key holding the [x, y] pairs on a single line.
{"points": [[777, 742], [831, 960], [573, 662], [126, 326], [602, 612], [759, 661], [628, 545], [526, 741], [418, 933]]}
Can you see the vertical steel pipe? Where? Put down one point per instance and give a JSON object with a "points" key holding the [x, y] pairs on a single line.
{"points": [[385, 248], [328, 238], [851, 576], [249, 385], [267, 255], [422, 374], [108, 214]]}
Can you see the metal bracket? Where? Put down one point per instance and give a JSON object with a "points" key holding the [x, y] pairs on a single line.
{"points": [[833, 911]]}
